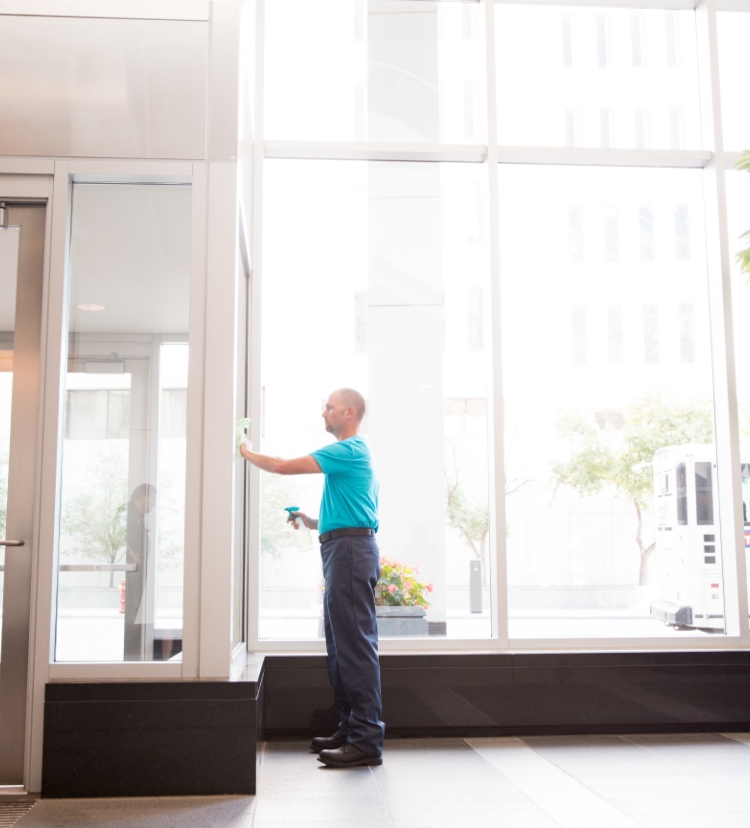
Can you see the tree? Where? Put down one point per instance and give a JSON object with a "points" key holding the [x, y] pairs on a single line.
{"points": [[623, 458], [471, 517], [276, 493], [95, 520]]}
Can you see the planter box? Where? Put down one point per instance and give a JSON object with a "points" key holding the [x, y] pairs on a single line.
{"points": [[394, 621]]}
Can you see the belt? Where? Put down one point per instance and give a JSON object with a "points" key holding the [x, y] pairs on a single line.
{"points": [[354, 531]]}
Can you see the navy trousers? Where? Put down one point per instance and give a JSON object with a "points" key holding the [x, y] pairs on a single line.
{"points": [[351, 567]]}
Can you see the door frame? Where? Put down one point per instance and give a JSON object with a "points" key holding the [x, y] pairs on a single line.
{"points": [[32, 182]]}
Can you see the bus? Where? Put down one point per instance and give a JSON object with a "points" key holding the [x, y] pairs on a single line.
{"points": [[688, 548]]}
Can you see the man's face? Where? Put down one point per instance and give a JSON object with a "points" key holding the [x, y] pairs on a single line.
{"points": [[335, 414]]}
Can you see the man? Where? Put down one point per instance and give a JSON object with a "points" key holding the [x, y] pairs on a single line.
{"points": [[347, 524]]}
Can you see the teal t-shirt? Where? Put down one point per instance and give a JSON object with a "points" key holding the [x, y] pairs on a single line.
{"points": [[350, 490]]}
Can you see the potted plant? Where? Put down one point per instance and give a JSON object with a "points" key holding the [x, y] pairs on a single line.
{"points": [[400, 603]]}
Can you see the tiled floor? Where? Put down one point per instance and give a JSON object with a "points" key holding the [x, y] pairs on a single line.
{"points": [[534, 782]]}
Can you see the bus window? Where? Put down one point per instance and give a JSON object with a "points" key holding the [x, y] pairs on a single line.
{"points": [[746, 492], [663, 481], [681, 486], [704, 497]]}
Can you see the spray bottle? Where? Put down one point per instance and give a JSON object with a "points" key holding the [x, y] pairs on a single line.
{"points": [[302, 533]]}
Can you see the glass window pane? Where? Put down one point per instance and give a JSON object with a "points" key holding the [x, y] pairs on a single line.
{"points": [[9, 239], [734, 68], [405, 243], [738, 214], [123, 468], [374, 70], [609, 428], [593, 77]]}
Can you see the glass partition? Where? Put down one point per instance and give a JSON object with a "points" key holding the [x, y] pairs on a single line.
{"points": [[386, 291], [8, 271], [375, 70], [612, 496], [122, 506]]}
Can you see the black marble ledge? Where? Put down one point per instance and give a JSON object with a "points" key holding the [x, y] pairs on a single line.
{"points": [[151, 738], [515, 693]]}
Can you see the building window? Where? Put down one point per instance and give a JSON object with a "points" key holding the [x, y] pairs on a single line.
{"points": [[102, 414], [611, 235], [360, 111], [360, 321], [602, 41], [578, 334], [360, 20], [614, 334], [641, 127], [475, 318], [672, 40], [606, 127], [575, 233], [681, 233], [650, 334], [567, 41], [571, 128], [467, 22], [687, 333], [646, 228], [637, 40], [675, 128], [471, 89]]}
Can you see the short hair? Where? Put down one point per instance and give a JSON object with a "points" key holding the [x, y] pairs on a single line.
{"points": [[143, 490], [353, 399]]}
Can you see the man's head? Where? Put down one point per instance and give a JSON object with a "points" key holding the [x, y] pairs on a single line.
{"points": [[144, 497], [343, 413]]}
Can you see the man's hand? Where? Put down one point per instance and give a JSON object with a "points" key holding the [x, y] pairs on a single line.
{"points": [[310, 523]]}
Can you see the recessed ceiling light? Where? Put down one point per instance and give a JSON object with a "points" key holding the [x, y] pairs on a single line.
{"points": [[91, 307]]}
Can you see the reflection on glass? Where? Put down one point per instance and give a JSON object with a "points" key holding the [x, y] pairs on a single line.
{"points": [[374, 70], [123, 469], [391, 298], [608, 410], [596, 78], [734, 66], [738, 215], [8, 273]]}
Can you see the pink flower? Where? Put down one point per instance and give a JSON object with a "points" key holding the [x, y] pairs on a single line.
{"points": [[416, 569], [392, 588], [408, 585], [430, 587]]}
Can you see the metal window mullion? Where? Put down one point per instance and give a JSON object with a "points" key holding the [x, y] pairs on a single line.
{"points": [[498, 571], [254, 357], [722, 337]]}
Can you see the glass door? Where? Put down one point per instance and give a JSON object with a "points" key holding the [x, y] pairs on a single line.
{"points": [[21, 271]]}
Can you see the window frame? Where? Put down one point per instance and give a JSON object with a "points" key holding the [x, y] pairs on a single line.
{"points": [[712, 160]]}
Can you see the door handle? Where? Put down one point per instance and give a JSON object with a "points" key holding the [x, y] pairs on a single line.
{"points": [[11, 543]]}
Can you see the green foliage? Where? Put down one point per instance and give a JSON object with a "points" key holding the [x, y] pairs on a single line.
{"points": [[276, 534], [95, 520], [471, 518], [623, 458], [743, 256], [398, 586]]}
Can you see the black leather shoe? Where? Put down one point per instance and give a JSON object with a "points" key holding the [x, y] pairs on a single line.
{"points": [[348, 757], [327, 742]]}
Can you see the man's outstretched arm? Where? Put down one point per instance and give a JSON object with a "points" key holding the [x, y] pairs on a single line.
{"points": [[275, 465]]}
